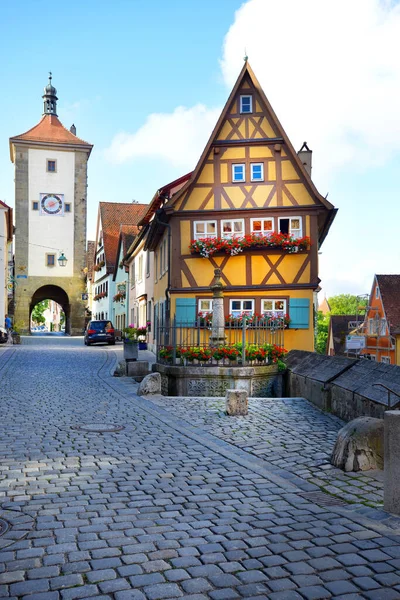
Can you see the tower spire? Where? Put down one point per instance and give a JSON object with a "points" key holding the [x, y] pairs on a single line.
{"points": [[50, 98]]}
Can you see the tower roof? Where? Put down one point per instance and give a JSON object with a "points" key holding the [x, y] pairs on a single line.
{"points": [[49, 130]]}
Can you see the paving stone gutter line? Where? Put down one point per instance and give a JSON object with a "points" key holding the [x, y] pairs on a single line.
{"points": [[373, 518]]}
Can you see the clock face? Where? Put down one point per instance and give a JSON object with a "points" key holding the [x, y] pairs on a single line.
{"points": [[51, 204]]}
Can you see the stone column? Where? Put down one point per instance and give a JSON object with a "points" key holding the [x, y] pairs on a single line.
{"points": [[218, 320], [391, 491]]}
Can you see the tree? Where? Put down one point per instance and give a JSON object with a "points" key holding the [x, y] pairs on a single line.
{"points": [[37, 313], [347, 304], [322, 332]]}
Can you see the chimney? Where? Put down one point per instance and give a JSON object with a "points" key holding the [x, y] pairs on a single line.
{"points": [[73, 129], [305, 155]]}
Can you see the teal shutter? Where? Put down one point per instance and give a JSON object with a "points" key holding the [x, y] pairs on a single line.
{"points": [[299, 313], [185, 311]]}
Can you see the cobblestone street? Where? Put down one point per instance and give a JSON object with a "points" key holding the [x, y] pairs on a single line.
{"points": [[180, 503]]}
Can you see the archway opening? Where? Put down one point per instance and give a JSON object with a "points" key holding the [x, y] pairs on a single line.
{"points": [[50, 310]]}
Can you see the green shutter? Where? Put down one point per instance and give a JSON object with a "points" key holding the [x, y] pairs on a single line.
{"points": [[299, 313], [185, 311]]}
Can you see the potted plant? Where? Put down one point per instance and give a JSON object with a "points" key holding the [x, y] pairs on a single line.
{"points": [[141, 333], [131, 343], [16, 333]]}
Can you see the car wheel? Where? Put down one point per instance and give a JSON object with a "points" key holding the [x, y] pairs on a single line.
{"points": [[111, 343]]}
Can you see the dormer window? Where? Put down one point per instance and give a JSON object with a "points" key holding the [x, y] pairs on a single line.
{"points": [[246, 104]]}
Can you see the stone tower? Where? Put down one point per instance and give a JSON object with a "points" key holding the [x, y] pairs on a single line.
{"points": [[50, 217]]}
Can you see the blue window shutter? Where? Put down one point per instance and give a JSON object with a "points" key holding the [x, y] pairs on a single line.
{"points": [[185, 311], [299, 313]]}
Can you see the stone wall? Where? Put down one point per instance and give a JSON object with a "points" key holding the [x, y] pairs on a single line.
{"points": [[259, 382], [341, 385]]}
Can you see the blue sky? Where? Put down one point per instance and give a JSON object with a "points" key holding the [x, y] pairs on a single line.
{"points": [[145, 82]]}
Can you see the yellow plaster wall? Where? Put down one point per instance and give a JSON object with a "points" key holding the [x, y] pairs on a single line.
{"points": [[397, 356], [234, 153], [207, 174], [224, 173], [272, 171], [235, 270], [260, 152], [299, 192], [196, 197], [185, 236], [288, 170], [235, 195]]}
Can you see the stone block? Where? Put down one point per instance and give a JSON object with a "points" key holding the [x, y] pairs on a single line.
{"points": [[391, 490], [237, 402], [151, 384], [359, 445], [137, 368]]}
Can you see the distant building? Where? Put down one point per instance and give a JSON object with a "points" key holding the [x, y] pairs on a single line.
{"points": [[50, 216], [382, 320], [324, 307], [111, 217], [6, 261]]}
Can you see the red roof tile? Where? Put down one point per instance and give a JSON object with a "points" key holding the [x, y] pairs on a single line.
{"points": [[114, 216], [50, 130], [389, 287], [161, 196]]}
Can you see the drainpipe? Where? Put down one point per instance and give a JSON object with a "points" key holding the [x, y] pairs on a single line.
{"points": [[167, 291]]}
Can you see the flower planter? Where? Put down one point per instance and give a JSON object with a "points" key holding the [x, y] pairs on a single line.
{"points": [[16, 338], [142, 345], [130, 350]]}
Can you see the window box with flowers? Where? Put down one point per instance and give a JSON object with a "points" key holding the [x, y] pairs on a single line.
{"points": [[235, 245], [119, 297], [100, 295]]}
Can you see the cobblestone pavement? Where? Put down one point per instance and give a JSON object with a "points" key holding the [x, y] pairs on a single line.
{"points": [[289, 434], [160, 509]]}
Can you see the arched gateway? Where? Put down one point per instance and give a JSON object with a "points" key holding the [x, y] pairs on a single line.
{"points": [[50, 216], [53, 292]]}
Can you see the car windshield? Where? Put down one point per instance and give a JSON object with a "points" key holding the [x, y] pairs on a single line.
{"points": [[101, 325]]}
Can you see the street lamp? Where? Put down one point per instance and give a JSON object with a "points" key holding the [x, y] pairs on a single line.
{"points": [[62, 260]]}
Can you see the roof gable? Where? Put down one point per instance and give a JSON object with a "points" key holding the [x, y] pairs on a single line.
{"points": [[113, 216], [49, 130], [389, 291], [261, 127]]}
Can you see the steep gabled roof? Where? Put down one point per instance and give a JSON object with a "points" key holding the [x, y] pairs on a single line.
{"points": [[49, 130], [389, 289], [113, 215], [127, 235], [247, 71], [162, 195]]}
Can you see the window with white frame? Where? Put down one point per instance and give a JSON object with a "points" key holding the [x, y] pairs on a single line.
{"points": [[385, 360], [372, 356], [205, 305], [239, 172], [257, 172], [140, 267], [240, 307], [246, 104], [291, 226], [205, 229], [232, 228], [262, 226], [382, 327], [271, 307]]}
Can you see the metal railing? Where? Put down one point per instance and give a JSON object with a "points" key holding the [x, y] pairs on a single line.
{"points": [[255, 335], [396, 406]]}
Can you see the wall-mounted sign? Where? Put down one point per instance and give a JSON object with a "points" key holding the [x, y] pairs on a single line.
{"points": [[22, 276], [85, 296]]}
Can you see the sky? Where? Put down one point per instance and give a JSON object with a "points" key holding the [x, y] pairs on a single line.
{"points": [[145, 81]]}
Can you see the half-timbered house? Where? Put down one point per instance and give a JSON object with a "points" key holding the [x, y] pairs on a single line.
{"points": [[251, 209]]}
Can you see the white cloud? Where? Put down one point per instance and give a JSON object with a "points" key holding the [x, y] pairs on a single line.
{"points": [[177, 137], [330, 70]]}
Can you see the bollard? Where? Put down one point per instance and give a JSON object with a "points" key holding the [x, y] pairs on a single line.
{"points": [[236, 402], [391, 491]]}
